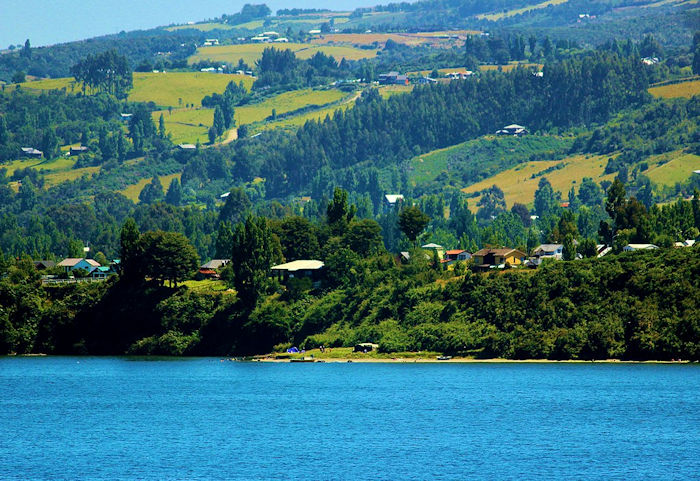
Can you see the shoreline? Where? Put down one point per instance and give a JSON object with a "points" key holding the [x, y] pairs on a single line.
{"points": [[458, 360]]}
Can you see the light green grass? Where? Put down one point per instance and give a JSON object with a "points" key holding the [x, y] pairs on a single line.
{"points": [[299, 120], [518, 185], [203, 27], [186, 125], [251, 52], [133, 191], [55, 165], [73, 174], [165, 89], [209, 286], [511, 13], [286, 102], [684, 89], [678, 169], [387, 91], [191, 125]]}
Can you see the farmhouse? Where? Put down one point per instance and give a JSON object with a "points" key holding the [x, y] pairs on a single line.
{"points": [[81, 149], [393, 78], [72, 263], [459, 75], [491, 258], [513, 129], [311, 269], [32, 153], [549, 251], [638, 247], [211, 41], [390, 200], [188, 147], [426, 80], [43, 265], [455, 255]]}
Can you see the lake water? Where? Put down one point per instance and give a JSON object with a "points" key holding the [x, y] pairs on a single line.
{"points": [[120, 418]]}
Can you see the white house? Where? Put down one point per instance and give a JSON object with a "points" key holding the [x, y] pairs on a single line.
{"points": [[638, 247], [549, 251]]}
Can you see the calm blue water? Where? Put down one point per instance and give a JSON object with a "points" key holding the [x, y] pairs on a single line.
{"points": [[49, 21], [96, 418]]}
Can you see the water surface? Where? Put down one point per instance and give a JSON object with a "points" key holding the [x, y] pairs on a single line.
{"points": [[116, 418]]}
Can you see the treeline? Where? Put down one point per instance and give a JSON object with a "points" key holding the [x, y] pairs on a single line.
{"points": [[282, 70], [635, 306]]}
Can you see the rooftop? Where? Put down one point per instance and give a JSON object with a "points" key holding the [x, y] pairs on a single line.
{"points": [[300, 265]]}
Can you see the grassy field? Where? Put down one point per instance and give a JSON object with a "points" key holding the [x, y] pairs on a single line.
{"points": [[518, 184], [133, 191], [299, 120], [202, 27], [190, 125], [510, 66], [667, 169], [208, 286], [165, 89], [511, 13], [387, 91], [251, 52], [187, 125], [685, 89], [62, 176], [59, 164]]}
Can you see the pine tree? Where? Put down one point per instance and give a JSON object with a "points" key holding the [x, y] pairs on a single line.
{"points": [[219, 125], [174, 195]]}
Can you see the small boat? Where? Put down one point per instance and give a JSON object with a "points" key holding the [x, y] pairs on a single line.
{"points": [[302, 359], [444, 358]]}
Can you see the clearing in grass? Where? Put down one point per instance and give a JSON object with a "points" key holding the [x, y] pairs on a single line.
{"points": [[133, 191]]}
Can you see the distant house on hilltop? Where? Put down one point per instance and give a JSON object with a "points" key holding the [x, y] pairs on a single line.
{"points": [[393, 78], [390, 200], [72, 263], [513, 129], [638, 247], [311, 269], [488, 258], [549, 251], [31, 152], [80, 149]]}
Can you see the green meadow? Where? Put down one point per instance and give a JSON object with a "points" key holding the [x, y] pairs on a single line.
{"points": [[165, 89], [251, 52]]}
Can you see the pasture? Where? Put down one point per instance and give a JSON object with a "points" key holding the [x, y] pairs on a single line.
{"points": [[133, 191], [191, 125], [511, 13], [519, 185], [202, 27], [673, 167], [251, 52], [684, 89], [171, 89]]}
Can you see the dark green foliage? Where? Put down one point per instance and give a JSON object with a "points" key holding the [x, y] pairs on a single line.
{"points": [[152, 192], [167, 256], [255, 250], [105, 72], [412, 222]]}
